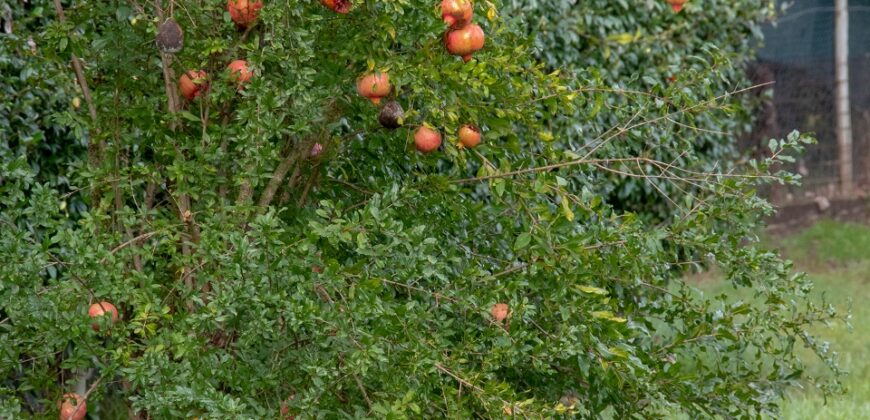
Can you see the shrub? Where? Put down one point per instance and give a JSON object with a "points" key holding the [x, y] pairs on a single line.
{"points": [[254, 277]]}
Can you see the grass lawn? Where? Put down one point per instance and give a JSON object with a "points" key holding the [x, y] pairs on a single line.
{"points": [[837, 258]]}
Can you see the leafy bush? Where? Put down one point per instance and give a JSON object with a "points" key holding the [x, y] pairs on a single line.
{"points": [[251, 276], [639, 53]]}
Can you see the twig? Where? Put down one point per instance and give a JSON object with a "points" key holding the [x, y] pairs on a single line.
{"points": [[362, 389], [436, 294], [141, 237], [308, 186]]}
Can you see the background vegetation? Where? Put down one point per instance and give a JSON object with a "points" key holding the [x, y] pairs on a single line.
{"points": [[358, 283]]}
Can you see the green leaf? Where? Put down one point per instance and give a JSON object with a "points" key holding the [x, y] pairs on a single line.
{"points": [[592, 290], [608, 316], [522, 241]]}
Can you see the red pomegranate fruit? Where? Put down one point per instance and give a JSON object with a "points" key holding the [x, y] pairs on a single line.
{"points": [[244, 12], [374, 86], [193, 83], [338, 6], [677, 5], [239, 72], [427, 140], [465, 41], [499, 311], [72, 407], [99, 309], [469, 136], [456, 13]]}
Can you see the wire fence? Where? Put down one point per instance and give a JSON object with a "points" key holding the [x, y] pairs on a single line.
{"points": [[798, 55]]}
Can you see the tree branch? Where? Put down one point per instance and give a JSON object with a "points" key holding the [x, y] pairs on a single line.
{"points": [[278, 177]]}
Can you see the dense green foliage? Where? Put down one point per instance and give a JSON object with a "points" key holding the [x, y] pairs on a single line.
{"points": [[641, 48], [360, 281]]}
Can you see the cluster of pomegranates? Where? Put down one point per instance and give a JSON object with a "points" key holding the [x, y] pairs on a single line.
{"points": [[194, 83], [464, 37], [376, 86]]}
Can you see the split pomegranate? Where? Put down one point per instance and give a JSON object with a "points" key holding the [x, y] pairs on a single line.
{"points": [[456, 13], [239, 72], [339, 6], [193, 83], [374, 86], [99, 309], [677, 5], [465, 41], [244, 12], [72, 407], [469, 136], [427, 140], [499, 311]]}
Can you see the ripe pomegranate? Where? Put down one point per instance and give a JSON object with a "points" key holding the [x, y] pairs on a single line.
{"points": [[244, 12], [677, 5], [374, 86], [239, 72], [193, 83], [72, 407], [339, 6], [469, 136], [499, 311], [427, 140], [456, 13], [465, 41], [99, 309]]}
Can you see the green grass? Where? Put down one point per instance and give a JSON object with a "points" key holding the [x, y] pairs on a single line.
{"points": [[837, 258]]}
